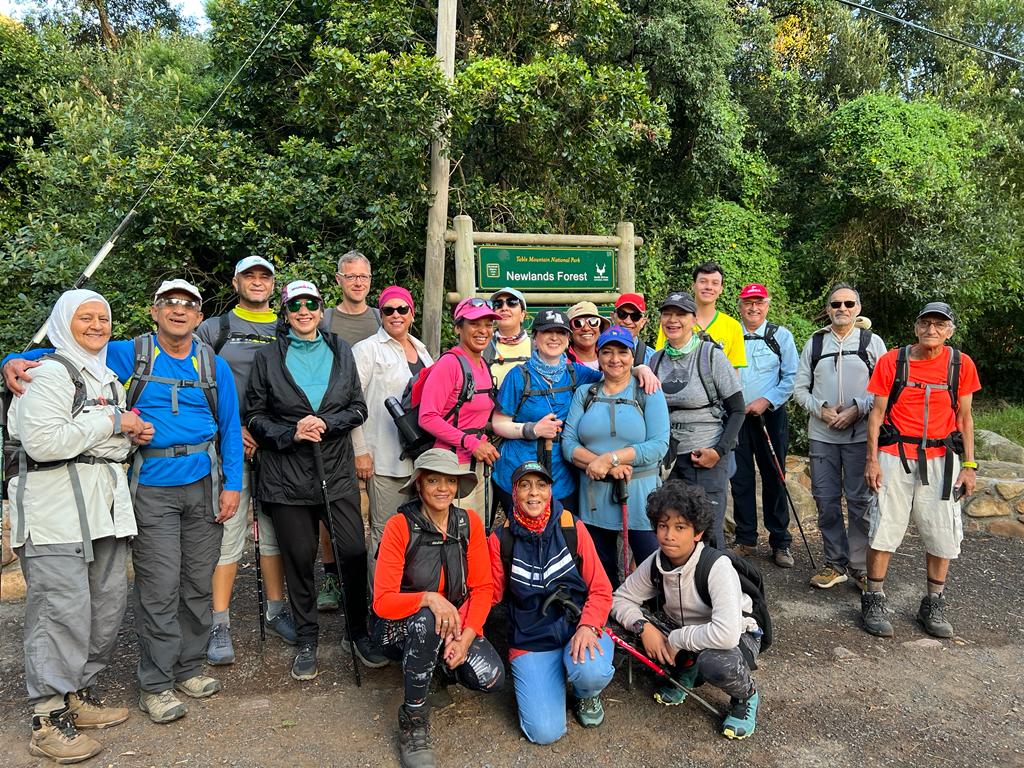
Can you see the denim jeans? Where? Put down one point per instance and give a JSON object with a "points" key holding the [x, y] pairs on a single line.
{"points": [[540, 678]]}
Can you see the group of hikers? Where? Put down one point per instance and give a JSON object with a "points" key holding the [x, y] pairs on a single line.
{"points": [[506, 472]]}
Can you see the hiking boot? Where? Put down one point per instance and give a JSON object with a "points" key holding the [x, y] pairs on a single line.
{"points": [[783, 558], [283, 625], [330, 593], [828, 577], [742, 717], [589, 712], [672, 696], [55, 736], [219, 649], [744, 550], [370, 654], [304, 666], [414, 738], [932, 615], [90, 712], [199, 686], [873, 614], [163, 707]]}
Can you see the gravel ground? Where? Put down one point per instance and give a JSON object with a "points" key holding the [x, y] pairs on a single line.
{"points": [[831, 694]]}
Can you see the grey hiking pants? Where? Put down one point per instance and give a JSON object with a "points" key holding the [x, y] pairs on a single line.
{"points": [[174, 555], [729, 671], [838, 470], [73, 610]]}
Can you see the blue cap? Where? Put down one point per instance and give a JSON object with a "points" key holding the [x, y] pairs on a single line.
{"points": [[618, 335]]}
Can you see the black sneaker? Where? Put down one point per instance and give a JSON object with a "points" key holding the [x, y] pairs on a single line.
{"points": [[370, 653], [414, 739], [932, 615], [304, 666], [873, 614]]}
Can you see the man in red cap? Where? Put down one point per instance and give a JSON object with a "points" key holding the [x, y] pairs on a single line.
{"points": [[629, 313], [772, 360]]}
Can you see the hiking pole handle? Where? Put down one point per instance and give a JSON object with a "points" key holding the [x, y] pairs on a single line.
{"points": [[559, 596]]}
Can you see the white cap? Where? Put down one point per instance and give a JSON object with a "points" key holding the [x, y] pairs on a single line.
{"points": [[299, 288], [253, 261], [177, 284]]}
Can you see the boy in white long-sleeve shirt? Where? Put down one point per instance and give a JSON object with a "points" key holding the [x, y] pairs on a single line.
{"points": [[716, 643]]}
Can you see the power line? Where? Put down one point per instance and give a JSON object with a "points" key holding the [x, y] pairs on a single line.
{"points": [[922, 28]]}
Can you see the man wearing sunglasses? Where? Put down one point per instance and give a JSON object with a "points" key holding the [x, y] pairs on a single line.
{"points": [[629, 313], [511, 345], [832, 386]]}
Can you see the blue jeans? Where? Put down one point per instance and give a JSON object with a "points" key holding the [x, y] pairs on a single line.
{"points": [[540, 678]]}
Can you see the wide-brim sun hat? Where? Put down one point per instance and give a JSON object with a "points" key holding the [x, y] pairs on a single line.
{"points": [[588, 309], [443, 462]]}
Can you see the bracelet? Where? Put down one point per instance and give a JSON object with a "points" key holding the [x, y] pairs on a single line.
{"points": [[529, 432], [969, 465], [596, 630]]}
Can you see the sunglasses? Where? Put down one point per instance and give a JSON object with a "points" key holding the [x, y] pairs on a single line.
{"points": [[848, 304], [296, 304], [176, 302], [585, 322], [511, 302], [479, 303], [389, 311], [626, 314]]}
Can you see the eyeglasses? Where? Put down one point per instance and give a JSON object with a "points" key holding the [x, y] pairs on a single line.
{"points": [[296, 304], [511, 302], [849, 304], [940, 325], [589, 322], [176, 302], [355, 278], [625, 314], [389, 311]]}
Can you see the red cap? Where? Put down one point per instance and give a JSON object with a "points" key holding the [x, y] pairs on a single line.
{"points": [[754, 291], [632, 298]]}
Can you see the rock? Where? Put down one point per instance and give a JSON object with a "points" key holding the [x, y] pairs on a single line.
{"points": [[843, 654], [1003, 470], [923, 643], [987, 506], [1010, 490], [1008, 529], [1020, 507], [995, 446]]}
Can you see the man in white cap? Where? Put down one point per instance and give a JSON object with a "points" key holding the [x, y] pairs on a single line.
{"points": [[235, 336]]}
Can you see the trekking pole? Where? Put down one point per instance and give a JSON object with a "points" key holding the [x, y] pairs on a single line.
{"points": [[548, 443], [488, 512], [620, 493], [573, 613], [318, 457], [256, 545], [785, 489]]}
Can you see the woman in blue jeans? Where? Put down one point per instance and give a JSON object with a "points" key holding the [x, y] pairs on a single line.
{"points": [[543, 551]]}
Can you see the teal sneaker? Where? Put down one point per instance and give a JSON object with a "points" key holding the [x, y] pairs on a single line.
{"points": [[742, 718], [330, 594], [589, 712], [670, 695]]}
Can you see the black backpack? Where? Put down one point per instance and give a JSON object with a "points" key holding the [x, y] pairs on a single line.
{"points": [[750, 582], [818, 341], [769, 339], [142, 374], [225, 334]]}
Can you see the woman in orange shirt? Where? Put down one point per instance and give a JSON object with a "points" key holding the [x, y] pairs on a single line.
{"points": [[432, 589]]}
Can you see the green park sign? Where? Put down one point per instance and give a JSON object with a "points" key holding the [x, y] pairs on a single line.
{"points": [[541, 268]]}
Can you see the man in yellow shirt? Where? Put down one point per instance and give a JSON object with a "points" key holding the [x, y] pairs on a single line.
{"points": [[726, 330]]}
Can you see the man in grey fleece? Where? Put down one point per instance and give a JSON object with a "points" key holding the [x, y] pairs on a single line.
{"points": [[831, 385]]}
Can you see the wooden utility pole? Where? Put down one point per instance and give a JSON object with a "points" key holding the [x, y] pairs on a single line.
{"points": [[440, 169]]}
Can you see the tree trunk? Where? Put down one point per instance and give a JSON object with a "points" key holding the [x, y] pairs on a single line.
{"points": [[109, 36]]}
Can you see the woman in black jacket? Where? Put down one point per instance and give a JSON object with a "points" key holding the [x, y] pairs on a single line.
{"points": [[304, 395]]}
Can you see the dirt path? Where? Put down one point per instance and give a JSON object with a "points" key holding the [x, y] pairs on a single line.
{"points": [[831, 694]]}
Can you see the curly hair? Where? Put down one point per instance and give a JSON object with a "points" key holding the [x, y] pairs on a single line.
{"points": [[688, 501]]}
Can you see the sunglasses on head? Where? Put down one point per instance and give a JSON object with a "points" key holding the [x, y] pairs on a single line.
{"points": [[511, 302], [848, 304], [296, 304], [585, 322], [624, 314], [389, 311], [479, 303]]}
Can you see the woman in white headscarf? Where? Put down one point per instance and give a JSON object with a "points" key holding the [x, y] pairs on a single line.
{"points": [[71, 518]]}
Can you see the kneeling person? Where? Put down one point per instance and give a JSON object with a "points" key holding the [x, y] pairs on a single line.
{"points": [[716, 642]]}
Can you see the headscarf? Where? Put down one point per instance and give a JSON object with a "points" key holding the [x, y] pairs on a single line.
{"points": [[58, 328]]}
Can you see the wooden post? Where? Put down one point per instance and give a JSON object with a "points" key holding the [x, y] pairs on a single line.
{"points": [[440, 169], [627, 252], [465, 268]]}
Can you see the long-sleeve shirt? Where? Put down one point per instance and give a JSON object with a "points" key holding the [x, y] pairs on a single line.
{"points": [[390, 602], [767, 375], [717, 626], [442, 392]]}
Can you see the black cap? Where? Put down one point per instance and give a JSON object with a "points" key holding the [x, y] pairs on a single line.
{"points": [[530, 468], [937, 308], [549, 319], [680, 300]]}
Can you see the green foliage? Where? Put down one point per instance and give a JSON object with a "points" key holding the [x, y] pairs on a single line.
{"points": [[1001, 418]]}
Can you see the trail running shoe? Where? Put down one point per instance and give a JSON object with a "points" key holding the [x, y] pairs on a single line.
{"points": [[828, 577], [163, 707], [589, 712], [304, 666], [873, 614], [932, 615], [370, 654], [283, 625], [219, 650], [742, 718], [670, 695], [198, 686], [330, 594]]}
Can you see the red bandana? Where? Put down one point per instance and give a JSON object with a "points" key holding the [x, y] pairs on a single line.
{"points": [[532, 524]]}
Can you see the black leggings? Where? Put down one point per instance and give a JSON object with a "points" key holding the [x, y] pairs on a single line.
{"points": [[482, 670], [298, 536]]}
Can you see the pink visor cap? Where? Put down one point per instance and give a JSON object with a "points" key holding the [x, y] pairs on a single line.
{"points": [[474, 309]]}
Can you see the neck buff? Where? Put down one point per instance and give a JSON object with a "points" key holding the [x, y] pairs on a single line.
{"points": [[547, 370], [510, 340], [532, 524], [685, 349]]}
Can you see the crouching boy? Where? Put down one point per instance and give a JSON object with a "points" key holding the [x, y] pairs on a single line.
{"points": [[714, 636]]}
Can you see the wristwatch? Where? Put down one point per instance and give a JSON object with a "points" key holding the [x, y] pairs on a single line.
{"points": [[638, 626], [615, 459]]}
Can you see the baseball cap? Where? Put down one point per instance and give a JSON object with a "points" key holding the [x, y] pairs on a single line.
{"points": [[680, 300], [754, 291], [550, 319], [253, 261], [616, 335], [587, 309], [509, 292], [530, 468], [177, 284], [937, 308], [632, 298], [297, 288], [472, 308]]}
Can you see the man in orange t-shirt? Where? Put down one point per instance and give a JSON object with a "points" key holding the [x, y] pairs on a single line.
{"points": [[932, 412]]}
